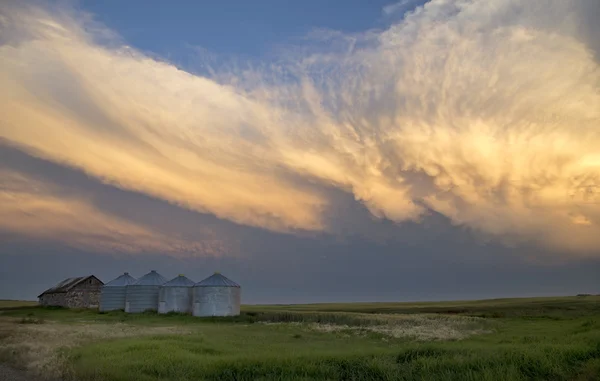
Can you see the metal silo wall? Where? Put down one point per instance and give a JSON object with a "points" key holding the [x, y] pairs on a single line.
{"points": [[175, 299], [216, 301], [112, 298], [141, 298]]}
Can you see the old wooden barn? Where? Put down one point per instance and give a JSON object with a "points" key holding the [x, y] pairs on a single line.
{"points": [[79, 292]]}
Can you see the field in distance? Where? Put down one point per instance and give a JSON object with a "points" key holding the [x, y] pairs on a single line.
{"points": [[16, 303], [501, 339], [506, 307]]}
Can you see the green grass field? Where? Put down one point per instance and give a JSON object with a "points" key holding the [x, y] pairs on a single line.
{"points": [[503, 339]]}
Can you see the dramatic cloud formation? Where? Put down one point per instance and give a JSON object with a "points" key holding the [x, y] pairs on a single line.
{"points": [[45, 211], [486, 112]]}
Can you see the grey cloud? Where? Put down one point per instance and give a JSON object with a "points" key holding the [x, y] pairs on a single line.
{"points": [[464, 115], [346, 217]]}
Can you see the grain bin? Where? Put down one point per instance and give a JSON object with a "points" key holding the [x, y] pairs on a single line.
{"points": [[216, 296], [176, 295], [112, 294], [143, 294]]}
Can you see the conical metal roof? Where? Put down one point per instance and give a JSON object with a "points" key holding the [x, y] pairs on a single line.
{"points": [[151, 279], [121, 281], [179, 281], [217, 280]]}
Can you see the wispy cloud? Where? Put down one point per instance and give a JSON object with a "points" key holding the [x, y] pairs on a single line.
{"points": [[404, 5], [35, 209], [486, 112]]}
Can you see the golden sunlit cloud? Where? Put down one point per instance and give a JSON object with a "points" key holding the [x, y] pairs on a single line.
{"points": [[31, 208], [487, 112]]}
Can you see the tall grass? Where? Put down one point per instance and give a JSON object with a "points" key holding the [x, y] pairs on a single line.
{"points": [[525, 339], [201, 358]]}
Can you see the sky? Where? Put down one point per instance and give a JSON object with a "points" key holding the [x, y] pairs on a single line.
{"points": [[314, 151]]}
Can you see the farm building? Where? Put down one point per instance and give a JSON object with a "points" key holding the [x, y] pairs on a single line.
{"points": [[216, 295], [143, 294], [112, 295], [79, 292], [176, 295]]}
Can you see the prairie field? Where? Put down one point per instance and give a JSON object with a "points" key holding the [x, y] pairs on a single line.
{"points": [[16, 303], [502, 339]]}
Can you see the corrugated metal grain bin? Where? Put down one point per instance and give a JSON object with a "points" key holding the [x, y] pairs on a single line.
{"points": [[143, 294], [216, 296], [176, 295], [112, 294]]}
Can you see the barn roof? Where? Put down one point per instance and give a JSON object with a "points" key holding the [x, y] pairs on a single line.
{"points": [[67, 284], [217, 280]]}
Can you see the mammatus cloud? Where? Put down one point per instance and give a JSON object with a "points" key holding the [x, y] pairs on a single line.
{"points": [[484, 111]]}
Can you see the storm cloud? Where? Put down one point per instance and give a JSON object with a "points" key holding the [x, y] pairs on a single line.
{"points": [[485, 113]]}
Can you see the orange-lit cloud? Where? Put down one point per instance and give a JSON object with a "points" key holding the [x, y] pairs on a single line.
{"points": [[487, 112], [34, 209]]}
